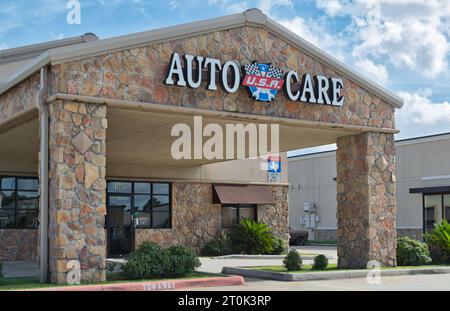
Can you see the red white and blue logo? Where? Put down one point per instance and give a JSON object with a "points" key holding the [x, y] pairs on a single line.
{"points": [[263, 81]]}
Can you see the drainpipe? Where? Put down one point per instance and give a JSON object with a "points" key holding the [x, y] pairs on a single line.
{"points": [[43, 184]]}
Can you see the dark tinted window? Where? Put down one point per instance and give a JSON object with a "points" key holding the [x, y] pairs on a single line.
{"points": [[19, 202], [150, 202]]}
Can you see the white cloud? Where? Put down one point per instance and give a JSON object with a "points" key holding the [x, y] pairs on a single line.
{"points": [[267, 5], [410, 34], [230, 6], [420, 116], [3, 46], [377, 73], [315, 32]]}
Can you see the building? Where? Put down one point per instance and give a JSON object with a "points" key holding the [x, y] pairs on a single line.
{"points": [[100, 114], [423, 188]]}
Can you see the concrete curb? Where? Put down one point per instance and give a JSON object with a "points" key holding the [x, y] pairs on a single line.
{"points": [[273, 257], [153, 285], [332, 275]]}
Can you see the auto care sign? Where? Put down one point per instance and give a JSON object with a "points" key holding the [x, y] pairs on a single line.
{"points": [[262, 80]]}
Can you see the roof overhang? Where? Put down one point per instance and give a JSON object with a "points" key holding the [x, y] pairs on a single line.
{"points": [[252, 17], [444, 189]]}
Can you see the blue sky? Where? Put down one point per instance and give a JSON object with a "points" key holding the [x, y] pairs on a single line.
{"points": [[402, 44]]}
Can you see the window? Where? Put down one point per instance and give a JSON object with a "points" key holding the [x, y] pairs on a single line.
{"points": [[150, 203], [436, 208], [231, 214], [19, 202], [447, 207]]}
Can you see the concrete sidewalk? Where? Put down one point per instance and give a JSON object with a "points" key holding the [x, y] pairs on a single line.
{"points": [[216, 265]]}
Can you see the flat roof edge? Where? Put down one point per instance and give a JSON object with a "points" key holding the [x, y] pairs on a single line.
{"points": [[251, 17]]}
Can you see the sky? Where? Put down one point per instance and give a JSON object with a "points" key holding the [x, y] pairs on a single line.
{"points": [[403, 45]]}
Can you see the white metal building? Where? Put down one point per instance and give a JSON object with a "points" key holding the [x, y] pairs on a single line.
{"points": [[423, 188]]}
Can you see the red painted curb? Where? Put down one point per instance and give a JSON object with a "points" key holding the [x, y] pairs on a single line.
{"points": [[153, 285]]}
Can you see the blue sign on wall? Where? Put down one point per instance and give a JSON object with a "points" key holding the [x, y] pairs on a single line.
{"points": [[274, 165]]}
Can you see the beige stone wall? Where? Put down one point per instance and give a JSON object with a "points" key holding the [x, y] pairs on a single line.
{"points": [[138, 74], [196, 220], [19, 98], [18, 244], [277, 216], [77, 189], [366, 210]]}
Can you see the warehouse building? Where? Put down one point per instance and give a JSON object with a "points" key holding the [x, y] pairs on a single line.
{"points": [[423, 188]]}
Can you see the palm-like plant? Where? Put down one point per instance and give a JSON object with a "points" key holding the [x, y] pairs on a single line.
{"points": [[440, 237], [251, 237]]}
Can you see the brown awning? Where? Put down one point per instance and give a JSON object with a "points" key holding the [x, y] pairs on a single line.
{"points": [[242, 194]]}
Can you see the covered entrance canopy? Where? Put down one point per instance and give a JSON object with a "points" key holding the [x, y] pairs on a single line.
{"points": [[113, 104]]}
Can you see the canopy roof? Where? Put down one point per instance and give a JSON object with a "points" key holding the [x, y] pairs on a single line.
{"points": [[252, 17]]}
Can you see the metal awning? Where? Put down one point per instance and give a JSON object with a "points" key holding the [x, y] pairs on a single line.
{"points": [[442, 189], [242, 194]]}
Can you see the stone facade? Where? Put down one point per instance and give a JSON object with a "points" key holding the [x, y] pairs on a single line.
{"points": [[19, 98], [366, 200], [18, 244], [366, 166], [277, 216], [196, 220], [77, 189], [138, 74]]}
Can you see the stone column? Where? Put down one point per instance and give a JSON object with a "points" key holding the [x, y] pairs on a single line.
{"points": [[77, 202], [366, 200]]}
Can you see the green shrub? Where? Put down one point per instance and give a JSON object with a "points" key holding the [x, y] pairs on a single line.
{"points": [[293, 261], [412, 252], [279, 246], [251, 237], [182, 260], [320, 262], [438, 241], [152, 261], [218, 247]]}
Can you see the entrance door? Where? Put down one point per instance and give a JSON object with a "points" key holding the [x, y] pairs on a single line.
{"points": [[131, 206], [119, 219], [119, 226]]}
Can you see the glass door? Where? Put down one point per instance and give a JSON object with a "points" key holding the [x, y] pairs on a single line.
{"points": [[119, 226], [119, 219]]}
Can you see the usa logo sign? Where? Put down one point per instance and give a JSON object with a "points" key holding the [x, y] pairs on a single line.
{"points": [[263, 81]]}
